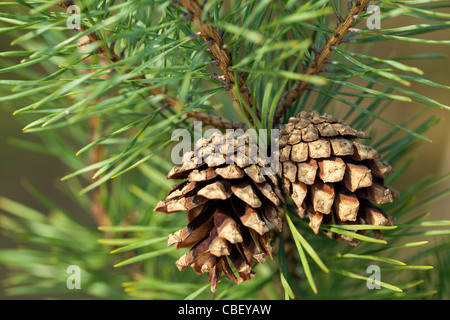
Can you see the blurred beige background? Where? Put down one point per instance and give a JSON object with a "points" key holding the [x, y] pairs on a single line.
{"points": [[431, 158]]}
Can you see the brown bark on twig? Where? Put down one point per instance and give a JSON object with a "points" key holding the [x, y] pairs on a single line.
{"points": [[220, 52], [314, 68]]}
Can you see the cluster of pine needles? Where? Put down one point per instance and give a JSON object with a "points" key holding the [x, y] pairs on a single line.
{"points": [[104, 99]]}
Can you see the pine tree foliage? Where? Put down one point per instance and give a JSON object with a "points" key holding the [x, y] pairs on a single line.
{"points": [[105, 98]]}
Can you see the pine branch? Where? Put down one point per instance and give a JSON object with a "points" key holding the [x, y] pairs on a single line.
{"points": [[93, 37], [141, 234], [221, 53], [96, 155], [109, 55], [321, 58], [98, 210]]}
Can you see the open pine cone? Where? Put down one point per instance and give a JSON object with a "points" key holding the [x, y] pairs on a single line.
{"points": [[228, 200], [331, 178], [229, 196]]}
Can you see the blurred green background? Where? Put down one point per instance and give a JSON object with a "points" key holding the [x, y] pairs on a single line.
{"points": [[18, 166]]}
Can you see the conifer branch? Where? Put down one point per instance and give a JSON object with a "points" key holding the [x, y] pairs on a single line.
{"points": [[220, 52], [118, 122], [321, 58], [93, 37], [110, 55], [96, 154], [97, 209]]}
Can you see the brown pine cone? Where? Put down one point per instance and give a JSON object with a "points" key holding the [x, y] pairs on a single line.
{"points": [[229, 196], [228, 202], [331, 178]]}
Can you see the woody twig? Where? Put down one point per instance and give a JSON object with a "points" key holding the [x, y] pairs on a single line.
{"points": [[321, 58], [109, 55], [221, 54]]}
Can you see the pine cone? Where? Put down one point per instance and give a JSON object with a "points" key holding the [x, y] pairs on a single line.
{"points": [[330, 178], [229, 196], [228, 200]]}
